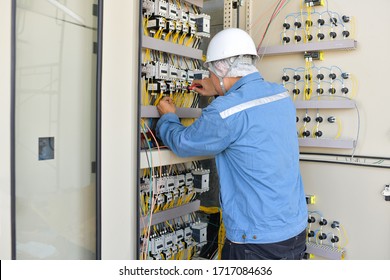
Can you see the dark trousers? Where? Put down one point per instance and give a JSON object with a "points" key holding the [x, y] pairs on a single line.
{"points": [[290, 249]]}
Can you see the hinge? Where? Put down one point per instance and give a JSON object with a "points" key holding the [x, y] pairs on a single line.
{"points": [[95, 47], [93, 167], [95, 10]]}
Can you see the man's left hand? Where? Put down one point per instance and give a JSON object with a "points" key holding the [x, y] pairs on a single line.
{"points": [[166, 106]]}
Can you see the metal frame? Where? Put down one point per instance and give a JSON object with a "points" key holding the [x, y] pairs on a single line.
{"points": [[151, 112], [171, 214], [13, 92], [307, 47], [325, 104], [161, 45], [198, 3], [325, 251], [327, 143], [164, 157], [98, 130]]}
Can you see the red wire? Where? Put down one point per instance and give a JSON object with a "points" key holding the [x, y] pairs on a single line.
{"points": [[278, 8]]}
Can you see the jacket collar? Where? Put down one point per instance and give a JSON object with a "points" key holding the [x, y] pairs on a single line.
{"points": [[246, 79]]}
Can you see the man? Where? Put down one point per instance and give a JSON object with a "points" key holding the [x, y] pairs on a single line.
{"points": [[250, 129]]}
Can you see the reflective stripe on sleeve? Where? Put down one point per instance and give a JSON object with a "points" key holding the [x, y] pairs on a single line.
{"points": [[252, 103]]}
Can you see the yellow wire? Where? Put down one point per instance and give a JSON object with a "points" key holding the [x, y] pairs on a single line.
{"points": [[345, 235], [221, 231], [144, 92], [146, 32], [175, 38], [187, 122], [181, 41], [353, 29], [315, 129], [308, 20], [168, 36], [158, 99], [301, 130], [189, 41]]}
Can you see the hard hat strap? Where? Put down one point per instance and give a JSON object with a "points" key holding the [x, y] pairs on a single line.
{"points": [[212, 68]]}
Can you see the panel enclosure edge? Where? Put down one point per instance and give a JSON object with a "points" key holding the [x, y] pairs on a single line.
{"points": [[164, 157], [171, 214], [160, 45], [300, 48]]}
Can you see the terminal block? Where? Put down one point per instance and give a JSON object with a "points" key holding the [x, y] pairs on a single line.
{"points": [[157, 245], [148, 7], [199, 232], [310, 199], [315, 55], [161, 8], [201, 74], [170, 184], [172, 11], [156, 23], [312, 3], [182, 16], [179, 180], [201, 179], [203, 24], [160, 185], [189, 179]]}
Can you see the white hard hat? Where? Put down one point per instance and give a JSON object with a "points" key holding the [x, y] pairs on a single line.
{"points": [[230, 42]]}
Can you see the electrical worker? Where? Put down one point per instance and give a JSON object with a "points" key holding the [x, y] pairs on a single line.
{"points": [[250, 129]]}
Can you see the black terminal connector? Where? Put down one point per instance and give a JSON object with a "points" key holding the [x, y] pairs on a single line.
{"points": [[345, 90], [309, 37], [286, 25], [298, 38], [333, 34], [345, 75], [286, 39], [332, 90], [307, 119], [297, 24], [322, 236], [297, 119], [346, 18], [310, 234], [308, 91], [297, 77], [335, 239], [323, 222], [306, 256], [306, 133], [309, 23], [308, 77], [320, 76], [346, 33], [321, 36], [296, 91], [311, 220], [333, 21], [321, 21], [331, 119], [313, 2], [333, 76], [335, 224], [318, 133], [319, 119], [285, 78], [320, 90]]}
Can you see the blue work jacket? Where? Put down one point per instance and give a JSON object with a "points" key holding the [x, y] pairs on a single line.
{"points": [[251, 132]]}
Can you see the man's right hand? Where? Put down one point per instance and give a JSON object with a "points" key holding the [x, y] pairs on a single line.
{"points": [[204, 87]]}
